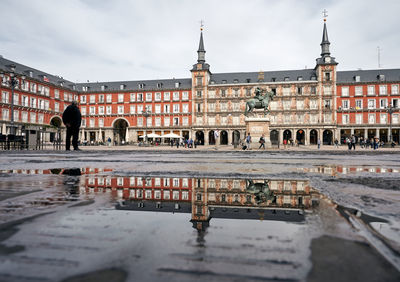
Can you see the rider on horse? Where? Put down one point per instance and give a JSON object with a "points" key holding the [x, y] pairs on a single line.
{"points": [[258, 96]]}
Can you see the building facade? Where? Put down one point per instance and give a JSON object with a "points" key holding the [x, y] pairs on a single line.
{"points": [[310, 104]]}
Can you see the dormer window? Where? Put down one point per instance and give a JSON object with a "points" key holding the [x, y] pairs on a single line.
{"points": [[236, 80], [299, 78], [327, 76], [286, 79], [248, 80], [141, 85], [122, 86], [313, 77], [273, 79], [381, 77], [30, 73], [73, 87], [223, 81], [159, 85], [177, 84], [61, 83], [103, 87], [357, 78], [212, 82]]}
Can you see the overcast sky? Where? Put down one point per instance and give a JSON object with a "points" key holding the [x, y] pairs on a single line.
{"points": [[101, 40]]}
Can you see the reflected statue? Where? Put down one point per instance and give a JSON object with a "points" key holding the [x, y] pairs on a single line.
{"points": [[259, 101], [261, 191]]}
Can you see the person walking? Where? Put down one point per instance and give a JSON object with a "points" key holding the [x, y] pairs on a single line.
{"points": [[353, 142], [72, 119], [262, 142], [248, 141], [319, 143], [336, 143], [284, 143]]}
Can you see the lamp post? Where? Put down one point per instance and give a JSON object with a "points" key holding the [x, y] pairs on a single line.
{"points": [[390, 110], [13, 82], [146, 114]]}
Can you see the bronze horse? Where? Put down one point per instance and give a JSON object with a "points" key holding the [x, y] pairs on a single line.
{"points": [[261, 191], [257, 103]]}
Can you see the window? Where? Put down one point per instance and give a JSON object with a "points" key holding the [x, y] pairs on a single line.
{"points": [[167, 96], [185, 121], [300, 105], [359, 104], [371, 118], [140, 97], [395, 118], [371, 103], [345, 104], [175, 195], [176, 121], [224, 107], [176, 108], [383, 118], [83, 99], [327, 104], [345, 91], [185, 108], [92, 110], [92, 99], [16, 99], [359, 118], [108, 110], [383, 103], [286, 105], [122, 86], [101, 110], [300, 118], [157, 121], [211, 107], [286, 91], [149, 97], [101, 122], [16, 115], [371, 90], [313, 104], [109, 98], [140, 121], [395, 89], [346, 119], [91, 122], [236, 106], [24, 116], [382, 90], [132, 109], [185, 96], [223, 93], [33, 103], [120, 98], [140, 109], [158, 109], [299, 90], [157, 96], [313, 90], [327, 90], [395, 103], [313, 118], [148, 194], [359, 90], [167, 109], [56, 107], [327, 76], [236, 93], [132, 97], [176, 96], [199, 81], [148, 108], [83, 122], [199, 94], [33, 117], [236, 120], [25, 101], [167, 121], [120, 110], [149, 121], [101, 98], [5, 114], [33, 87], [177, 84]]}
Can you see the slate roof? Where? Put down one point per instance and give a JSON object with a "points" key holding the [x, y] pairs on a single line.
{"points": [[279, 76], [368, 75], [36, 74]]}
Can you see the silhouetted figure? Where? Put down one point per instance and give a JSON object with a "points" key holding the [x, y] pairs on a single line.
{"points": [[72, 119]]}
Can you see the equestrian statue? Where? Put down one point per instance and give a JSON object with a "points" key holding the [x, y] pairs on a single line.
{"points": [[261, 191], [259, 101]]}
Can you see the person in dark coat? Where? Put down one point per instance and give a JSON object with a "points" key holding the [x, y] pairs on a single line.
{"points": [[72, 119]]}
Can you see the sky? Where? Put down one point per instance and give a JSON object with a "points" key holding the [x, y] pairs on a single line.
{"points": [[117, 40]]}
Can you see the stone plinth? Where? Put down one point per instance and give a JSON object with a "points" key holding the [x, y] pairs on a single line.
{"points": [[257, 126]]}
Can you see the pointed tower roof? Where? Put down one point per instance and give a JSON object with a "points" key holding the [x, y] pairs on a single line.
{"points": [[201, 44], [201, 53], [325, 42]]}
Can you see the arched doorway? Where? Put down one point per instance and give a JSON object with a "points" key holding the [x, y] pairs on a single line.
{"points": [[327, 137], [120, 127], [300, 137], [313, 137], [274, 136], [287, 135], [200, 137], [236, 137], [224, 138], [56, 122], [211, 138]]}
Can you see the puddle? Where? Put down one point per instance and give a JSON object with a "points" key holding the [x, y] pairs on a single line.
{"points": [[179, 228]]}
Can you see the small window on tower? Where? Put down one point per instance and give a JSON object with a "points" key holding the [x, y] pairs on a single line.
{"points": [[327, 76]]}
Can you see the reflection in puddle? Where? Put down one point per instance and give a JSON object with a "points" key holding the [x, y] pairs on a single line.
{"points": [[334, 170]]}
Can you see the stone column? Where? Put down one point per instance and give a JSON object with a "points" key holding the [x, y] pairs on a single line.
{"points": [[352, 131], [307, 139], [377, 133], [229, 137], [366, 133], [206, 137]]}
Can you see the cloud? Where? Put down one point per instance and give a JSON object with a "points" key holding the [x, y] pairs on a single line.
{"points": [[130, 40]]}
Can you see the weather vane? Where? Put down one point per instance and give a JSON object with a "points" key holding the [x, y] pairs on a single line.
{"points": [[325, 13], [201, 25]]}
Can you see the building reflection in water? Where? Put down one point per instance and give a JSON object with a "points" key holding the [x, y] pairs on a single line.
{"points": [[335, 170]]}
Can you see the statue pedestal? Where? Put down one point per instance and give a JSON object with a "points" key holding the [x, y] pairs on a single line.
{"points": [[257, 126]]}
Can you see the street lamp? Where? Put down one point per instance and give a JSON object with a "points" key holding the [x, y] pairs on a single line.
{"points": [[390, 110], [146, 113], [13, 82]]}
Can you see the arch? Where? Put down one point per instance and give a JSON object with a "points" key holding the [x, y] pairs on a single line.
{"points": [[327, 137], [224, 137], [313, 137], [56, 121], [120, 118], [287, 135], [300, 137], [274, 136], [211, 138], [344, 133], [200, 137], [236, 137], [120, 127]]}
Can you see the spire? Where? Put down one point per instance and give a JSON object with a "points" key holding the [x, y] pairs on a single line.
{"points": [[325, 42], [201, 53]]}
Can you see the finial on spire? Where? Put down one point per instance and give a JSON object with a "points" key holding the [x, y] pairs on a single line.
{"points": [[325, 14], [201, 25]]}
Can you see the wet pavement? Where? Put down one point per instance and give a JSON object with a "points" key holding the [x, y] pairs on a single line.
{"points": [[140, 215]]}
